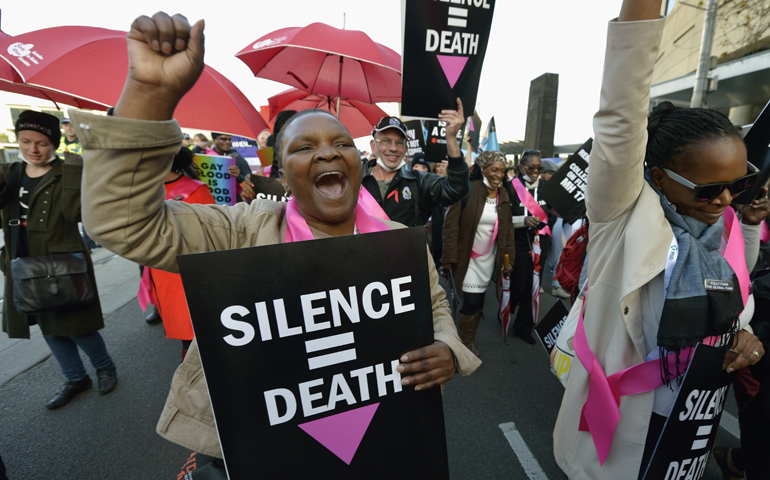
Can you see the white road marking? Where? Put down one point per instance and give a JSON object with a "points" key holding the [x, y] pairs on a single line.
{"points": [[730, 423], [527, 460]]}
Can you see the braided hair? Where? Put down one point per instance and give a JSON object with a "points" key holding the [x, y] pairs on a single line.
{"points": [[672, 130], [280, 122]]}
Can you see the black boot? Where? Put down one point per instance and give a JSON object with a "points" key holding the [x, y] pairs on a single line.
{"points": [[154, 317], [107, 378], [68, 393]]}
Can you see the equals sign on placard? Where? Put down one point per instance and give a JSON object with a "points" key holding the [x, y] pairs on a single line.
{"points": [[329, 343], [462, 13], [703, 431]]}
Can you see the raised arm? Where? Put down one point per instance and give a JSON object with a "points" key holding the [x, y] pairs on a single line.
{"points": [[616, 176]]}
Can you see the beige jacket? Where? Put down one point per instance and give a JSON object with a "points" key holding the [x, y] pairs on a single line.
{"points": [[124, 210], [629, 239]]}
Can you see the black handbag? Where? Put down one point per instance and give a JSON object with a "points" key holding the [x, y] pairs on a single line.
{"points": [[46, 282]]}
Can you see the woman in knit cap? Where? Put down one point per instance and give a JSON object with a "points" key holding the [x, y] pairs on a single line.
{"points": [[40, 195], [478, 232]]}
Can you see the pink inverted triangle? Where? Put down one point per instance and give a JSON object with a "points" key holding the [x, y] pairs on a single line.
{"points": [[452, 66], [342, 433]]}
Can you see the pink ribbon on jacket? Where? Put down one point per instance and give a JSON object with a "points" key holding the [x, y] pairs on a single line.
{"points": [[531, 204], [601, 412], [298, 231]]}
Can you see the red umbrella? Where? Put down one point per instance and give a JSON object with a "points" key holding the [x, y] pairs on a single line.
{"points": [[328, 61], [358, 117], [504, 314], [87, 67]]}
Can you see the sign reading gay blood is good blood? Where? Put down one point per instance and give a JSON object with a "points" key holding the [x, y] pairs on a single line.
{"points": [[444, 46], [565, 191], [301, 371], [214, 172], [684, 446]]}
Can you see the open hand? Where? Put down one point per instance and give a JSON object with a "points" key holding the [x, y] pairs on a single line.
{"points": [[454, 120], [432, 365]]}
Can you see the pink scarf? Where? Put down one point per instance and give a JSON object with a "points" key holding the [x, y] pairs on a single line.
{"points": [[531, 204], [475, 254], [298, 231], [601, 412]]}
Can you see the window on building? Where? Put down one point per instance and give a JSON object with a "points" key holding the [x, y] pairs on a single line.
{"points": [[56, 113], [670, 6]]}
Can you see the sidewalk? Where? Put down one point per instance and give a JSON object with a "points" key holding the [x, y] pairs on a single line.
{"points": [[117, 280]]}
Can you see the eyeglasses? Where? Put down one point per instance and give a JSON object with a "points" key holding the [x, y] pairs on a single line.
{"points": [[532, 168], [388, 142], [706, 193]]}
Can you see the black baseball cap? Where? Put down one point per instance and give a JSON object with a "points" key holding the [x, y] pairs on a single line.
{"points": [[390, 122]]}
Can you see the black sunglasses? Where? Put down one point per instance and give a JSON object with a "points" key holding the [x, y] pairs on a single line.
{"points": [[706, 193]]}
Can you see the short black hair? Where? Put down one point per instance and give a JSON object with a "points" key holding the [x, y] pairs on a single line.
{"points": [[672, 130], [277, 160]]}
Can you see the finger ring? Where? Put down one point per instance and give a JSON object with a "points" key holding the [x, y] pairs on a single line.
{"points": [[756, 353]]}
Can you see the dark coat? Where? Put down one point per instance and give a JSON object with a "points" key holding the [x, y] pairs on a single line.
{"points": [[460, 230], [52, 227], [412, 195]]}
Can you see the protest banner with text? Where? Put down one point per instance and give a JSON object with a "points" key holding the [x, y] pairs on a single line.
{"points": [[214, 172], [269, 188], [757, 142], [300, 357], [547, 330], [435, 141], [684, 445], [565, 191], [444, 46]]}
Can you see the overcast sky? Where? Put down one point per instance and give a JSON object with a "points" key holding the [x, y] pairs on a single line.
{"points": [[528, 38]]}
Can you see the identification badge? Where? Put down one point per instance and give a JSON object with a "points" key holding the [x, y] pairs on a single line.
{"points": [[719, 285]]}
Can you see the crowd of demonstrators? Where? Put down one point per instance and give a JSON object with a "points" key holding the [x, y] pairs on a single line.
{"points": [[181, 185], [409, 196], [200, 138], [648, 189], [527, 225], [478, 233], [40, 210], [134, 209]]}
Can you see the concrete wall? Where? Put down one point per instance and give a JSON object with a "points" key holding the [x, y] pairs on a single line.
{"points": [[680, 46]]}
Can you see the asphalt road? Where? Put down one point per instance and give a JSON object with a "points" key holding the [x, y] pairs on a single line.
{"points": [[512, 400]]}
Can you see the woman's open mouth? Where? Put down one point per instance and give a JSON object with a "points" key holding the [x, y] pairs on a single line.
{"points": [[331, 184]]}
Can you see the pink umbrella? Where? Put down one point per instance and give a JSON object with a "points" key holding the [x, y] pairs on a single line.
{"points": [[325, 60], [87, 67], [358, 117]]}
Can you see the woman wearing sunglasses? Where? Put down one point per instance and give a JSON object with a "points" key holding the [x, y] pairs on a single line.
{"points": [[529, 220], [658, 199]]}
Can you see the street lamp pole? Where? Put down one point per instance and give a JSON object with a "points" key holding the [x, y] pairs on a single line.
{"points": [[707, 40]]}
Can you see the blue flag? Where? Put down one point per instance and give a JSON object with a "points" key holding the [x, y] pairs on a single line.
{"points": [[489, 142]]}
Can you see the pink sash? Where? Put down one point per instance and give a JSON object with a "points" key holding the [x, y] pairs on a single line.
{"points": [[370, 205], [298, 231], [475, 254], [601, 412], [531, 204], [764, 236]]}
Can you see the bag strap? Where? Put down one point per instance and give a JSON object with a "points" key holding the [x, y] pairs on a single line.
{"points": [[14, 222]]}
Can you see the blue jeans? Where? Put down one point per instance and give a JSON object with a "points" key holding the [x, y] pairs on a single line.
{"points": [[65, 349]]}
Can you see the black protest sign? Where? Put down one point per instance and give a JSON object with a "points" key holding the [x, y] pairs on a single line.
{"points": [[565, 191], [415, 134], [684, 446], [757, 142], [435, 141], [549, 327], [444, 46], [269, 188], [300, 357]]}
